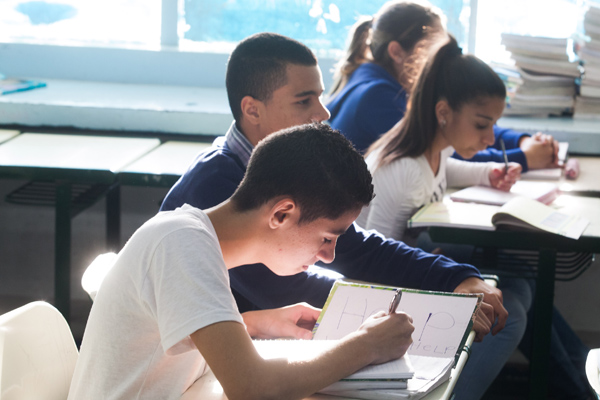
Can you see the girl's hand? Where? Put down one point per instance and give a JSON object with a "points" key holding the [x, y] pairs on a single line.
{"points": [[502, 179]]}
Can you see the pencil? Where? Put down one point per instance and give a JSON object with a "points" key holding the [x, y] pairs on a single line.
{"points": [[504, 155]]}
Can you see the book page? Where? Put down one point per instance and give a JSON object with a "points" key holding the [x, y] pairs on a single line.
{"points": [[441, 320], [454, 214], [526, 212]]}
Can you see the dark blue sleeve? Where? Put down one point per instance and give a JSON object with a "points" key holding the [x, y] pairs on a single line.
{"points": [[212, 179], [494, 153], [369, 256]]}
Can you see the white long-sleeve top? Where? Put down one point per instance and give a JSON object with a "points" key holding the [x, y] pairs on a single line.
{"points": [[406, 184]]}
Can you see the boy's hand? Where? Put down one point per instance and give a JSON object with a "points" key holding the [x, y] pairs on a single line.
{"points": [[294, 321], [493, 297], [502, 179], [388, 336], [540, 150]]}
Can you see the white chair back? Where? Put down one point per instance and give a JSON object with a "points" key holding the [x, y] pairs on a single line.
{"points": [[37, 353], [94, 274], [592, 370]]}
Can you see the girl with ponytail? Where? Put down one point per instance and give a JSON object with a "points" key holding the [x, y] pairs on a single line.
{"points": [[372, 82], [454, 106]]}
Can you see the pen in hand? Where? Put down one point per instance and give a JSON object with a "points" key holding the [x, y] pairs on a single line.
{"points": [[395, 301], [504, 155]]}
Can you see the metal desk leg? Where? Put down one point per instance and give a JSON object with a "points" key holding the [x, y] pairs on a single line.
{"points": [[62, 249], [113, 218], [542, 325]]}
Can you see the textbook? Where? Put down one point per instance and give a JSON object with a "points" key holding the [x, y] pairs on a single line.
{"points": [[518, 213], [544, 192], [18, 85], [442, 324]]}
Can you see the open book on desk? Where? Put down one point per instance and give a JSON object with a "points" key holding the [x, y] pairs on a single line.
{"points": [[544, 192], [442, 324], [518, 213]]}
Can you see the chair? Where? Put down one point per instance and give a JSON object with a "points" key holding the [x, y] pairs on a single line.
{"points": [[37, 353], [592, 370], [94, 274]]}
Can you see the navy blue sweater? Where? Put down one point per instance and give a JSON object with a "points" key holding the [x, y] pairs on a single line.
{"points": [[362, 255]]}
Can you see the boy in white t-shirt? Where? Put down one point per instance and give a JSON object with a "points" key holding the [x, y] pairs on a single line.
{"points": [[165, 311]]}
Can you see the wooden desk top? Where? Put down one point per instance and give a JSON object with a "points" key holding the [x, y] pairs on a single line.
{"points": [[58, 156], [163, 165]]}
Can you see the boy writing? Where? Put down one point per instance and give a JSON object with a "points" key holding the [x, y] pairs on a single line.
{"points": [[165, 310]]}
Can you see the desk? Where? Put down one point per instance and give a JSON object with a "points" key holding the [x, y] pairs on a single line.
{"points": [[547, 245], [68, 159], [7, 134], [162, 166], [209, 388]]}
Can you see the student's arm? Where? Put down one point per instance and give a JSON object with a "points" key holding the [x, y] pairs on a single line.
{"points": [[296, 321], [243, 374]]}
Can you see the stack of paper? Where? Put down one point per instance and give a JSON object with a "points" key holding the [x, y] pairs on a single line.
{"points": [[546, 72], [587, 104]]}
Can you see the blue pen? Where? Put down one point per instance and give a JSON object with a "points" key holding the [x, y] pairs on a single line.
{"points": [[504, 155], [395, 301]]}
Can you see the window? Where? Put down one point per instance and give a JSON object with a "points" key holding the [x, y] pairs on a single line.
{"points": [[323, 25], [554, 18], [106, 22], [163, 41]]}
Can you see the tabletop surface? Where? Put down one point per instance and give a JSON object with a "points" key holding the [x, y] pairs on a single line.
{"points": [[6, 134], [170, 158], [36, 150]]}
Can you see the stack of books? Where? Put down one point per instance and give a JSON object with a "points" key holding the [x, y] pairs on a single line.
{"points": [[587, 104], [546, 74]]}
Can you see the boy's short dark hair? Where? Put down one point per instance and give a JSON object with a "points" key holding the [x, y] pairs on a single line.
{"points": [[314, 165], [257, 67]]}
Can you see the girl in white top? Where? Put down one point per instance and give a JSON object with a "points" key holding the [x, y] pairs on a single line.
{"points": [[454, 106]]}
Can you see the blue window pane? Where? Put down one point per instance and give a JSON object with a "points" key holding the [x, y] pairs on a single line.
{"points": [[321, 25]]}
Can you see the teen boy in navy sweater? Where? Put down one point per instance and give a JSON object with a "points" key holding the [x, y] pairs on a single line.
{"points": [[274, 82]]}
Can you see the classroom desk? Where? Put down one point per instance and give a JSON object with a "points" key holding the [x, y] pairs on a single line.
{"points": [[7, 134], [209, 388], [67, 160], [547, 246], [588, 183], [163, 166]]}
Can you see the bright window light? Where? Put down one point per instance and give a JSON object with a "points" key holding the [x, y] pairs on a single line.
{"points": [[322, 25], [82, 22], [551, 18]]}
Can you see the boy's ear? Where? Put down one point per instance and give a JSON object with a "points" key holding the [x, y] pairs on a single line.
{"points": [[443, 112], [251, 110], [283, 212]]}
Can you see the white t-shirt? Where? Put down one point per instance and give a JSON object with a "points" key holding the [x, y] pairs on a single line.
{"points": [[406, 184], [169, 281]]}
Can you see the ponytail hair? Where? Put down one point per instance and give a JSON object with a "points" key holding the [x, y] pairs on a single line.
{"points": [[448, 75], [356, 53], [406, 22]]}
